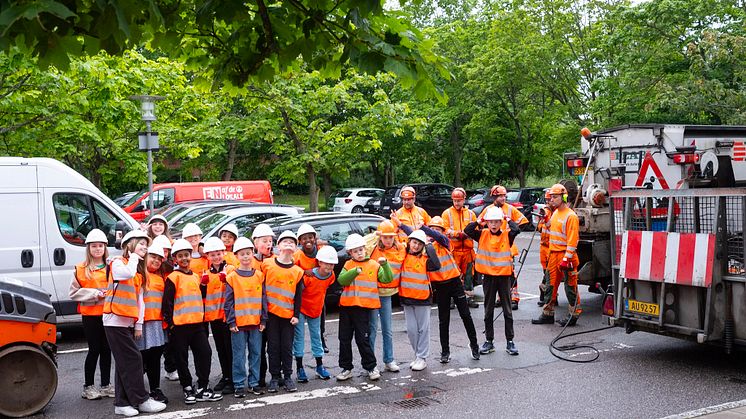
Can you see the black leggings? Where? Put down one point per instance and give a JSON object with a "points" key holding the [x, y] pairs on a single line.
{"points": [[151, 363], [98, 351]]}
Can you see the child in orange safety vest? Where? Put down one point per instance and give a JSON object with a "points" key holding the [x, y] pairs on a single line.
{"points": [[359, 278], [214, 277], [284, 282], [198, 262], [184, 313], [495, 262], [88, 288], [124, 312], [153, 339], [228, 235], [246, 315], [263, 238]]}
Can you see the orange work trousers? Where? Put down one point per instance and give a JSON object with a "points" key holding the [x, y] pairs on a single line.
{"points": [[570, 278]]}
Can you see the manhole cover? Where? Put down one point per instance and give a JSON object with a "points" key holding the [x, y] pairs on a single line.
{"points": [[415, 403]]}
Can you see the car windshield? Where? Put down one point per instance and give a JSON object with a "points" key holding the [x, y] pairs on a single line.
{"points": [[192, 215], [175, 211], [340, 194], [134, 198], [391, 192], [210, 221], [513, 196]]}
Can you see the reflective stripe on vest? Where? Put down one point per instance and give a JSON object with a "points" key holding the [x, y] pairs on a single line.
{"points": [[98, 280], [247, 297], [558, 236], [394, 255], [415, 283], [448, 268], [188, 304], [281, 284], [363, 290], [153, 297], [215, 296], [494, 256], [121, 296]]}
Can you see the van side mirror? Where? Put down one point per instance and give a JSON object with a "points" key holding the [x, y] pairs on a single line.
{"points": [[120, 229]]}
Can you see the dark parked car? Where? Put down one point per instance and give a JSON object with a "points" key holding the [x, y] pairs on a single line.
{"points": [[478, 199], [432, 197], [373, 206], [333, 228], [524, 199]]}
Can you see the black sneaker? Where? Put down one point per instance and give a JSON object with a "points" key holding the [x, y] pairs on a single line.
{"points": [[207, 395], [472, 303], [273, 386], [158, 396], [540, 303], [475, 352], [222, 384], [570, 321], [543, 319], [445, 358], [257, 391], [487, 347], [189, 396], [239, 393], [514, 305], [510, 348], [290, 386]]}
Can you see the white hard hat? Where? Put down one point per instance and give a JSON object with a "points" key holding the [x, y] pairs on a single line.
{"points": [[160, 218], [494, 214], [418, 235], [327, 254], [242, 243], [96, 236], [162, 241], [305, 228], [180, 245], [262, 230], [213, 244], [287, 234], [156, 250], [354, 241], [231, 228], [135, 234], [191, 229]]}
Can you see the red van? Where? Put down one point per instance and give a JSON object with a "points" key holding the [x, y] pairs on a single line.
{"points": [[169, 193]]}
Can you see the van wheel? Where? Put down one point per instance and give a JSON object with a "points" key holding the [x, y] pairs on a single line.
{"points": [[357, 210]]}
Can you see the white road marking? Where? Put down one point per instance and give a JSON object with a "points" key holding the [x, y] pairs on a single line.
{"points": [[71, 351], [455, 372], [613, 348], [708, 410], [181, 414], [293, 397]]}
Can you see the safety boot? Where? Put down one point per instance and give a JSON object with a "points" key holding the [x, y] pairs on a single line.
{"points": [[543, 319], [568, 321]]}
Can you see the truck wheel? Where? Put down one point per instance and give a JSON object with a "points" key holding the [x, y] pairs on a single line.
{"points": [[28, 380]]}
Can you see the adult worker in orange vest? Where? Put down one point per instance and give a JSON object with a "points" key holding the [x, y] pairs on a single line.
{"points": [[543, 227], [563, 259], [446, 283], [183, 311], [284, 282], [124, 312], [410, 214], [359, 278], [495, 261], [456, 218], [511, 213], [88, 288]]}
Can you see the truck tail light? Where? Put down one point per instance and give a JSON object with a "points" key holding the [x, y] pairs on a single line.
{"points": [[575, 163], [608, 308], [688, 158]]}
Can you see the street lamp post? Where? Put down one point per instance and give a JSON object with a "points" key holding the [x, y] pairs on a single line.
{"points": [[148, 140]]}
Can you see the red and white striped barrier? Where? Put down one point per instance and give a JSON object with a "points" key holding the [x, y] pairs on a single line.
{"points": [[674, 258]]}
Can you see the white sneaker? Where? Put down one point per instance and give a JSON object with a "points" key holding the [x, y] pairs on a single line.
{"points": [[151, 406], [344, 375], [391, 366], [125, 411], [419, 365], [172, 376], [90, 393], [374, 374], [413, 362], [107, 391]]}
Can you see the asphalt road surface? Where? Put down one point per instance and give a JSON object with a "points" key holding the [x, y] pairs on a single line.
{"points": [[636, 376]]}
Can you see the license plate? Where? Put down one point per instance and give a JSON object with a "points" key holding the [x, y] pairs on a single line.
{"points": [[641, 307], [385, 207], [578, 171]]}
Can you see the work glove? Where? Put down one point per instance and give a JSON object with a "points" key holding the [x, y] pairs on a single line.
{"points": [[513, 226], [547, 216], [565, 265], [222, 276], [205, 279]]}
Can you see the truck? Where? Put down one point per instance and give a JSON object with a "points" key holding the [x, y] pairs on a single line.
{"points": [[662, 209]]}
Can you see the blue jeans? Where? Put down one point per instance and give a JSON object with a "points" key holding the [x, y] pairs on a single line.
{"points": [[239, 342], [388, 335], [314, 330]]}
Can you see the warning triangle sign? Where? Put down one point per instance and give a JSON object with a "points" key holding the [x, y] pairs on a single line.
{"points": [[650, 173]]}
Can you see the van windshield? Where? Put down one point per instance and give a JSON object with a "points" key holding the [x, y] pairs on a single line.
{"points": [[134, 198]]}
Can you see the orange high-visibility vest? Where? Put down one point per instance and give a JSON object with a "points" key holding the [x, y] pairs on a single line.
{"points": [[543, 241], [314, 293], [394, 255], [231, 259], [448, 268], [563, 232], [259, 264], [363, 290], [414, 282], [121, 296], [305, 262], [410, 218], [153, 297], [215, 296], [494, 255], [199, 265], [97, 280], [281, 284], [247, 297], [456, 221], [188, 305]]}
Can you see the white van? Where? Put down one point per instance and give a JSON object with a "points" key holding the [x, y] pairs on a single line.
{"points": [[46, 211]]}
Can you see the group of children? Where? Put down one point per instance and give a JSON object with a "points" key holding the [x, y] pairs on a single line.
{"points": [[160, 298]]}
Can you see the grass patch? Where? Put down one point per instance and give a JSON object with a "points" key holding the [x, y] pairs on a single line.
{"points": [[297, 200]]}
